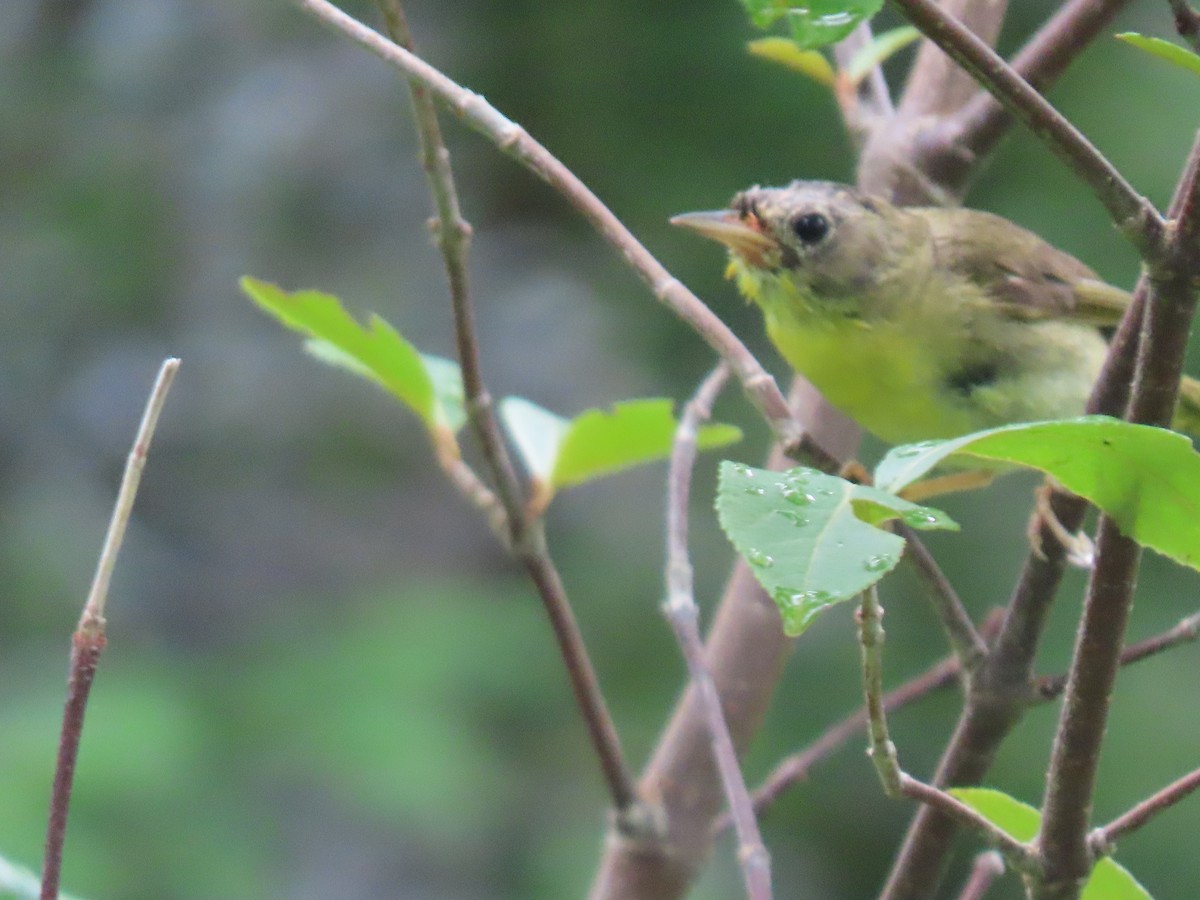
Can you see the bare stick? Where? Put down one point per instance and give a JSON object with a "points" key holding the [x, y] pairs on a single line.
{"points": [[1186, 631], [979, 125], [1070, 783], [87, 644], [897, 783], [1103, 839], [1131, 212], [796, 767], [1018, 855], [965, 641], [525, 536], [514, 141], [684, 616], [870, 637], [988, 866]]}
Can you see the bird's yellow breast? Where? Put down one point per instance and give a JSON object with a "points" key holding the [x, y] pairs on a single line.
{"points": [[885, 374]]}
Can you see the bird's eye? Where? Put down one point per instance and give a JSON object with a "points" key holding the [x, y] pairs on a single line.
{"points": [[810, 227]]}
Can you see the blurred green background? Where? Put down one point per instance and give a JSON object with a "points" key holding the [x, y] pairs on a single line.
{"points": [[323, 679]]}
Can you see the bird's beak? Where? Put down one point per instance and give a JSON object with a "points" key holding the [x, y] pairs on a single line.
{"points": [[727, 227]]}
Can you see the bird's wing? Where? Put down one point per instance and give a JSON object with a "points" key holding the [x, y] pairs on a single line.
{"points": [[1023, 277]]}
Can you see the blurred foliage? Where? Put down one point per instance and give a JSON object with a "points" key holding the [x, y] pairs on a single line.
{"points": [[323, 678]]}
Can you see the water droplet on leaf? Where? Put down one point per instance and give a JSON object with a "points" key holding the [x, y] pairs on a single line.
{"points": [[759, 559]]}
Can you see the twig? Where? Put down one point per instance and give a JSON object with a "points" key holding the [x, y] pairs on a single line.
{"points": [[988, 866], [980, 124], [453, 238], [1187, 22], [525, 536], [870, 101], [897, 783], [1070, 783], [1062, 841], [1133, 215], [1018, 855], [965, 641], [87, 644], [1186, 631], [1103, 839], [681, 611], [514, 141], [796, 767], [870, 637]]}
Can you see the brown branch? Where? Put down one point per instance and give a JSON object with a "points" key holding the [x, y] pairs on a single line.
{"points": [[988, 866], [87, 644], [1070, 783], [683, 614], [979, 125], [526, 537], [964, 639], [1103, 839], [1187, 22], [1133, 215], [1186, 631], [1018, 855], [514, 141]]}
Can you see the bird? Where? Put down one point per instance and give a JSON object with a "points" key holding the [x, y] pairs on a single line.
{"points": [[920, 323]]}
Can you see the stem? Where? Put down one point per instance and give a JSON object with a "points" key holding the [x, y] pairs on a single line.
{"points": [[870, 636], [980, 124], [1104, 838], [965, 641], [87, 644], [1186, 631], [988, 866], [1187, 22], [1133, 215], [514, 141], [682, 613]]}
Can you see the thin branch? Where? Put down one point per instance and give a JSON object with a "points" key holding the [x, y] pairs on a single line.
{"points": [[1131, 212], [1186, 631], [979, 125], [1075, 755], [1103, 839], [796, 767], [453, 238], [965, 641], [1018, 855], [1170, 307], [525, 536], [681, 611], [988, 866], [1187, 22], [514, 141], [869, 102], [870, 638], [87, 644]]}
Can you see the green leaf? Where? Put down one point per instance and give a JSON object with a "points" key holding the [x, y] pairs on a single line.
{"points": [[20, 882], [1109, 879], [814, 24], [560, 453], [1147, 479], [638, 431], [1016, 819], [812, 539], [537, 433], [882, 47], [1172, 53], [810, 63], [430, 386]]}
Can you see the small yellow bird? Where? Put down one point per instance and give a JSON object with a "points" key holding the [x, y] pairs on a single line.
{"points": [[920, 323]]}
